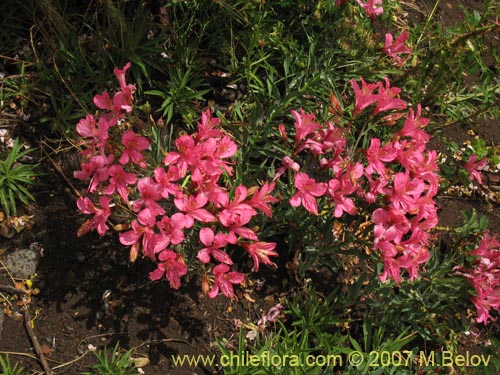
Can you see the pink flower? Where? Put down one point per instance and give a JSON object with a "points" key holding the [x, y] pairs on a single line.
{"points": [[141, 235], [171, 265], [122, 100], [308, 191], [214, 244], [413, 126], [172, 228], [474, 167], [193, 208], [224, 281], [134, 144], [337, 192], [415, 252], [207, 127], [262, 198], [364, 96], [378, 187], [101, 215], [485, 277], [371, 7], [120, 76], [271, 316], [388, 98], [88, 128], [392, 266], [237, 207], [98, 168], [405, 192], [235, 225], [411, 155], [288, 163], [304, 125], [225, 148], [390, 225], [165, 180], [394, 47], [104, 101], [146, 205], [260, 253], [377, 156], [119, 181]]}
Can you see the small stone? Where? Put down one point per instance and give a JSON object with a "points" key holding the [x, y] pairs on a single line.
{"points": [[22, 263]]}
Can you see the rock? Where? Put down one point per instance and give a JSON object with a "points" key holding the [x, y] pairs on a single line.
{"points": [[22, 263]]}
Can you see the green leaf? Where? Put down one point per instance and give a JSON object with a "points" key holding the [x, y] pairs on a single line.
{"points": [[156, 93]]}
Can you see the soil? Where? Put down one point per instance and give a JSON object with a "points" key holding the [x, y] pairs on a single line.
{"points": [[74, 273]]}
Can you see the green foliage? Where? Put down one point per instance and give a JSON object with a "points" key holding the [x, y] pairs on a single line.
{"points": [[8, 368], [312, 333], [181, 91], [448, 58], [15, 177], [115, 364], [473, 224]]}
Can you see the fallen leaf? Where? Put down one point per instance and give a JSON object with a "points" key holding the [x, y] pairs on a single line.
{"points": [[248, 297], [6, 230], [140, 361], [22, 222], [251, 335]]}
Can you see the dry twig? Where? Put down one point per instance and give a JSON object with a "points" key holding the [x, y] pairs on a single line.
{"points": [[36, 344]]}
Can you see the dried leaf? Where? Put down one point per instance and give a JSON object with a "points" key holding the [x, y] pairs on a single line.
{"points": [[6, 230], [22, 222], [120, 227], [141, 361], [251, 335], [84, 229], [248, 297]]}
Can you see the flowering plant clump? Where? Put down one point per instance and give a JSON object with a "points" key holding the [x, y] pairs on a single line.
{"points": [[186, 192], [485, 276], [185, 207], [394, 182]]}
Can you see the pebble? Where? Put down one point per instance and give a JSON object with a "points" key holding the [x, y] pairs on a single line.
{"points": [[22, 263]]}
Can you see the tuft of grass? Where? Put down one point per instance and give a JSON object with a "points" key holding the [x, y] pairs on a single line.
{"points": [[115, 363], [15, 176], [7, 368]]}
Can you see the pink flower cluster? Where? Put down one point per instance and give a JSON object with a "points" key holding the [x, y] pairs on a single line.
{"points": [[394, 48], [372, 7], [395, 182], [185, 192], [485, 277]]}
